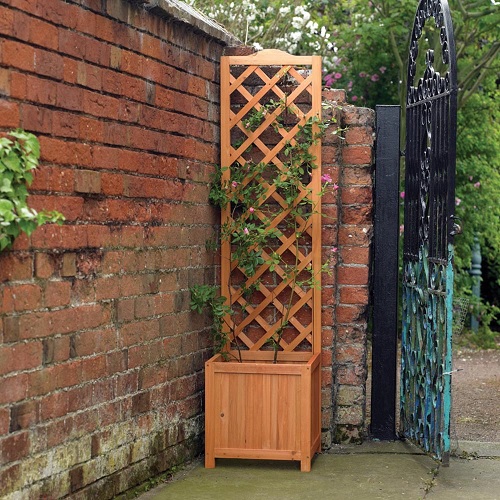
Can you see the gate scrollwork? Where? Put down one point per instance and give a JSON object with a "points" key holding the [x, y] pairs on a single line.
{"points": [[428, 233]]}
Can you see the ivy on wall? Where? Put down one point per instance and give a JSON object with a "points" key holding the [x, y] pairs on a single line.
{"points": [[19, 155]]}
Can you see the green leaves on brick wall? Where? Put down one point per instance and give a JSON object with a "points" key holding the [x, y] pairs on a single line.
{"points": [[19, 154]]}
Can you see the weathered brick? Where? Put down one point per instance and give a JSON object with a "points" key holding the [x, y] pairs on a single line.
{"points": [[359, 116], [350, 313], [68, 264], [94, 341], [9, 111], [355, 255], [10, 326], [45, 265], [24, 415], [57, 293], [357, 155], [62, 321], [20, 357], [361, 176], [87, 181], [23, 297], [353, 295], [4, 83], [361, 214], [333, 95], [18, 55], [355, 235], [14, 447], [353, 275], [14, 388]]}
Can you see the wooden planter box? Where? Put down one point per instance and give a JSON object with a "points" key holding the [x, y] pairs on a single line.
{"points": [[260, 410]]}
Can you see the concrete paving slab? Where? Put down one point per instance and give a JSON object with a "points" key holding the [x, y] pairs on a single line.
{"points": [[478, 449], [374, 471], [475, 479]]}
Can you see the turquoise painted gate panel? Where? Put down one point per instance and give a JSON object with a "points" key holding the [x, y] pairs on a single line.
{"points": [[429, 227]]}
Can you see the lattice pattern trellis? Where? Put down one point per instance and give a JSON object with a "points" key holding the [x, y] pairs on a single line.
{"points": [[277, 297]]}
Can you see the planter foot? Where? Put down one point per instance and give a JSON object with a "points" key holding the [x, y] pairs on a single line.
{"points": [[305, 465], [209, 462]]}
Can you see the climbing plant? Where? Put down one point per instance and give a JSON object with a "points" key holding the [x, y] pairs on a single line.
{"points": [[269, 190], [19, 155]]}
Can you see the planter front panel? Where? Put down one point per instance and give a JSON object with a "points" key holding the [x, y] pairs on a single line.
{"points": [[257, 411], [263, 410]]}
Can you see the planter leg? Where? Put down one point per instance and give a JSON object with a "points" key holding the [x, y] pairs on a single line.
{"points": [[305, 465], [209, 461]]}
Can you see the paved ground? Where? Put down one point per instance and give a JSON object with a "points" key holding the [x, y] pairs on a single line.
{"points": [[476, 396], [371, 471], [374, 470]]}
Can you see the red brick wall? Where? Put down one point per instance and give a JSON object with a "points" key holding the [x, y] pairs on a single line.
{"points": [[101, 360]]}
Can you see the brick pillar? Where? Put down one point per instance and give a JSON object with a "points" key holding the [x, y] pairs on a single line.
{"points": [[347, 231]]}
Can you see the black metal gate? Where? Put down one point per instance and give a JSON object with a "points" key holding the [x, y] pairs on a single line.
{"points": [[429, 226]]}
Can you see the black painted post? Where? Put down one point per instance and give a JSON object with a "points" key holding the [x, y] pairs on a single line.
{"points": [[385, 279]]}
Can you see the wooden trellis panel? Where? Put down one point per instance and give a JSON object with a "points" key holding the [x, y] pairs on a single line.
{"points": [[249, 84]]}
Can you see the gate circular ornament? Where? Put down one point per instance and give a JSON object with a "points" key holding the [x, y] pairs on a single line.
{"points": [[439, 10]]}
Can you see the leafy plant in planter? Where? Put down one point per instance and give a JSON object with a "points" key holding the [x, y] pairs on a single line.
{"points": [[251, 233], [19, 154]]}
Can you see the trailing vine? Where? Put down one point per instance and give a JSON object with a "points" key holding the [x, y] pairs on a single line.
{"points": [[19, 155], [250, 230]]}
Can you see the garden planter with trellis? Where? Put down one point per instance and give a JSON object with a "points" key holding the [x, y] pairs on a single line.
{"points": [[263, 390]]}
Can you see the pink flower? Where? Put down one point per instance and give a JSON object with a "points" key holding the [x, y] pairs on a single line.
{"points": [[375, 78], [335, 186], [470, 177], [251, 210], [363, 74], [401, 229], [334, 249], [382, 69], [477, 184], [402, 195], [338, 75], [326, 178], [354, 98], [350, 84], [246, 231], [458, 201], [234, 184], [329, 80]]}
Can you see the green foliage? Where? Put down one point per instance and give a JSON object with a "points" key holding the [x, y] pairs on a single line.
{"points": [[19, 154], [208, 296], [249, 229], [477, 195]]}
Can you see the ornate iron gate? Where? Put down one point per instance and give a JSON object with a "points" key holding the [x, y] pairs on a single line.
{"points": [[429, 227]]}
